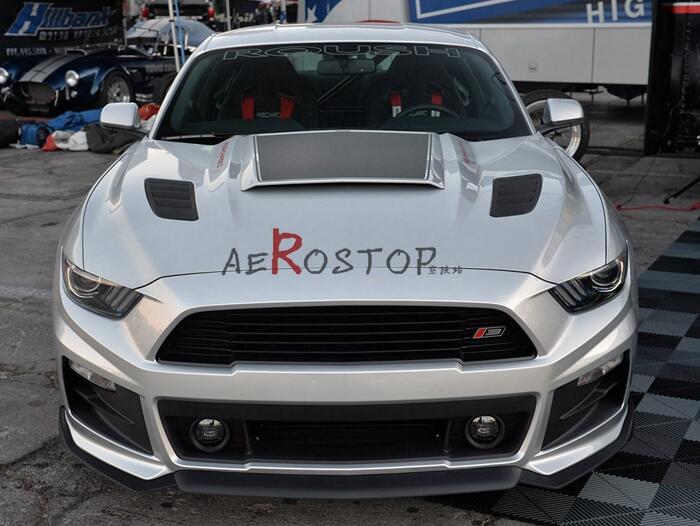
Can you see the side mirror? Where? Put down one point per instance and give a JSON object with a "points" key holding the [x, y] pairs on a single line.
{"points": [[122, 116], [559, 113]]}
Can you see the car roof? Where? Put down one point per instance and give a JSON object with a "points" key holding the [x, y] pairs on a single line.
{"points": [[363, 32]]}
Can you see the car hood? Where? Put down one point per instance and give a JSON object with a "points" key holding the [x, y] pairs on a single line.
{"points": [[125, 241], [17, 66], [51, 70]]}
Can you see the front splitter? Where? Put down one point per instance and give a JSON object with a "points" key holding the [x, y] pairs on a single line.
{"points": [[413, 484]]}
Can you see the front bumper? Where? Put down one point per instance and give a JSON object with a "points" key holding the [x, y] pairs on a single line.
{"points": [[41, 99], [421, 483], [568, 346]]}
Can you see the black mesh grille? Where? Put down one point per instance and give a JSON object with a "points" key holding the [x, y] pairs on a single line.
{"points": [[172, 199], [345, 334], [36, 92]]}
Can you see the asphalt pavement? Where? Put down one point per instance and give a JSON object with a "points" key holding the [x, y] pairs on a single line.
{"points": [[42, 484]]}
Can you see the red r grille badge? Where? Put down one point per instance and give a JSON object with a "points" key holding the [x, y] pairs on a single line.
{"points": [[489, 332]]}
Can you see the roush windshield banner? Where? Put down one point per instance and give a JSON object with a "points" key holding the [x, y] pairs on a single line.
{"points": [[44, 28]]}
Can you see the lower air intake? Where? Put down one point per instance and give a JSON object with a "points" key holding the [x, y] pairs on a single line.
{"points": [[345, 433], [576, 409], [114, 414]]}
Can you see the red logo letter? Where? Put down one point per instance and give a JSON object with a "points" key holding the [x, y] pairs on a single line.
{"points": [[278, 254]]}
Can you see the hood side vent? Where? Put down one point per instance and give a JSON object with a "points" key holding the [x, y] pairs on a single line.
{"points": [[172, 199], [514, 196]]}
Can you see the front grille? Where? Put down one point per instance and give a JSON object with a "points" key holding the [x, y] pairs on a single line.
{"points": [[345, 433], [36, 93], [345, 334]]}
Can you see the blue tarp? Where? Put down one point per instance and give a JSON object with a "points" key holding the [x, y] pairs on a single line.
{"points": [[74, 120], [29, 134], [70, 121]]}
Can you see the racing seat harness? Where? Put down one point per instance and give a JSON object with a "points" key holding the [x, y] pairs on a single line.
{"points": [[286, 107], [395, 100], [435, 100], [397, 107]]}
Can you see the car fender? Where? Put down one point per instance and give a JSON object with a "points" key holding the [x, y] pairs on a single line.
{"points": [[114, 66], [92, 68], [20, 65]]}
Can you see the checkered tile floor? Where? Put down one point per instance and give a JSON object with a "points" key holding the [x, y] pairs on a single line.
{"points": [[655, 479]]}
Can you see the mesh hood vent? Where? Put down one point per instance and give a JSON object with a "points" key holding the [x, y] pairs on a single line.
{"points": [[172, 199], [514, 196]]}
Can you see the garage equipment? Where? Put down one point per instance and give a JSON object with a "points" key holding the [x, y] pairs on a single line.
{"points": [[673, 109]]}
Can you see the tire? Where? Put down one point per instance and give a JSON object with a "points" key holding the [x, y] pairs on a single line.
{"points": [[116, 87], [15, 107], [161, 87], [574, 139]]}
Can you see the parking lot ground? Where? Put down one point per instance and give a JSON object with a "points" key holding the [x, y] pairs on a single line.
{"points": [[42, 484]]}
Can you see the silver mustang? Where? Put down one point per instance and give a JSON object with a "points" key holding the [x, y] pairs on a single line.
{"points": [[344, 263]]}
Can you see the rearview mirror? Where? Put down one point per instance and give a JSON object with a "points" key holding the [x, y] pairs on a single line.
{"points": [[122, 116], [559, 113], [347, 66]]}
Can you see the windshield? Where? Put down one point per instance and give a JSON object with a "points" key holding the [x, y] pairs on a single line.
{"points": [[405, 87], [149, 31]]}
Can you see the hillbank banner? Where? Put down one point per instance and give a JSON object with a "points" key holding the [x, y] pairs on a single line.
{"points": [[43, 28], [529, 11]]}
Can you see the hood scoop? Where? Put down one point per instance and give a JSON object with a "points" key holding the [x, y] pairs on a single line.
{"points": [[515, 196], [344, 157], [172, 199]]}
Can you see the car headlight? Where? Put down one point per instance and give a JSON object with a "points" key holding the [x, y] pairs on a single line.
{"points": [[4, 76], [72, 78], [592, 289], [97, 294]]}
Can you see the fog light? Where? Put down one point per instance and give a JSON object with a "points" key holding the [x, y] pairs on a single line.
{"points": [[484, 431], [600, 371], [93, 378], [209, 434]]}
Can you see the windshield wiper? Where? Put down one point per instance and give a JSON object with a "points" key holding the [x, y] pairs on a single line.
{"points": [[196, 136]]}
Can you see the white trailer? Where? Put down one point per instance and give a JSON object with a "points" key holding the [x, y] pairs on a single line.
{"points": [[540, 41], [548, 47]]}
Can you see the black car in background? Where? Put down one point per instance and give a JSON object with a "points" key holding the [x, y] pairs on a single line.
{"points": [[140, 71]]}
